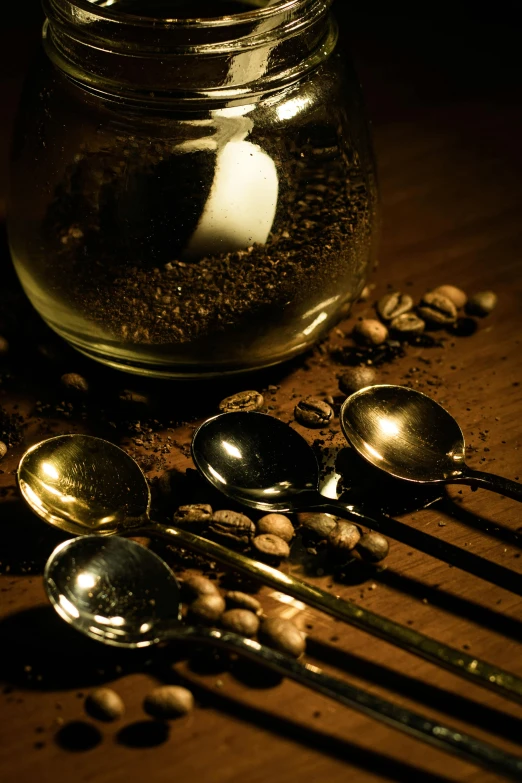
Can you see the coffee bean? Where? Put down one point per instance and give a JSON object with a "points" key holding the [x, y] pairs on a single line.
{"points": [[242, 401], [481, 304], [207, 608], [141, 540], [129, 397], [437, 309], [277, 525], [104, 704], [232, 526], [370, 332], [312, 412], [241, 621], [197, 586], [357, 378], [75, 383], [3, 449], [282, 635], [271, 546], [239, 600], [4, 346], [372, 547], [457, 296], [319, 525], [407, 324], [168, 701], [195, 514], [392, 305], [344, 536]]}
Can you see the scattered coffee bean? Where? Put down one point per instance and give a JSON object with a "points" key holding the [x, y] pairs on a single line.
{"points": [[207, 608], [282, 635], [407, 324], [242, 401], [312, 412], [357, 378], [392, 305], [372, 547], [437, 309], [104, 704], [198, 514], [3, 449], [196, 586], [320, 525], [457, 295], [271, 546], [239, 600], [141, 540], [75, 383], [370, 332], [232, 526], [241, 621], [168, 701], [4, 346], [344, 536], [129, 397], [481, 304], [277, 525]]}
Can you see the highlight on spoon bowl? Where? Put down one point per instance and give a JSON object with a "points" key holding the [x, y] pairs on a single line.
{"points": [[403, 432], [82, 484]]}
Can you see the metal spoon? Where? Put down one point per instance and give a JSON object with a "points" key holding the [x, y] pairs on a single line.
{"points": [[84, 485], [412, 437], [120, 593]]}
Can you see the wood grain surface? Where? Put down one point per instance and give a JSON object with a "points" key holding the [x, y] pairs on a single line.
{"points": [[449, 155]]}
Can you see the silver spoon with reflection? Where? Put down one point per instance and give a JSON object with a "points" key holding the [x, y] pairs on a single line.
{"points": [[410, 436], [120, 593]]}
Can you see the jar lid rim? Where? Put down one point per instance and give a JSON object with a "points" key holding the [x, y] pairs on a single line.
{"points": [[256, 14]]}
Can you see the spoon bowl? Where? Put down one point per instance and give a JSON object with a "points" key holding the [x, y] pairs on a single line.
{"points": [[410, 436], [257, 460], [403, 432], [83, 484], [112, 590], [120, 593]]}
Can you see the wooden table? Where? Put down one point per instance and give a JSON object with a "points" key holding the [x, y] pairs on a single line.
{"points": [[449, 157]]}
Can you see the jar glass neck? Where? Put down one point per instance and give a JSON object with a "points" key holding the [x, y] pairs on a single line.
{"points": [[228, 59]]}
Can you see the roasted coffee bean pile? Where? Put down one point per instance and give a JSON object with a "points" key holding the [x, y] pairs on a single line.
{"points": [[270, 538], [401, 322]]}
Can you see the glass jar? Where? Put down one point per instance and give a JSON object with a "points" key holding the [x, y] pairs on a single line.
{"points": [[191, 196]]}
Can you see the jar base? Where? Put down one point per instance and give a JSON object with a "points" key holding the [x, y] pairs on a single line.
{"points": [[179, 371]]}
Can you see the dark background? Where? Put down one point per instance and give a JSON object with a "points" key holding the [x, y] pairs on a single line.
{"points": [[408, 55]]}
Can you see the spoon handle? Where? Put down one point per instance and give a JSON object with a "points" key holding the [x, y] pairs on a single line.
{"points": [[476, 478], [419, 726], [456, 661]]}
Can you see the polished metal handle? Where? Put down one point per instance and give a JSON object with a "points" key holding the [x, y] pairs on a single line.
{"points": [[456, 661], [476, 478], [432, 732]]}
